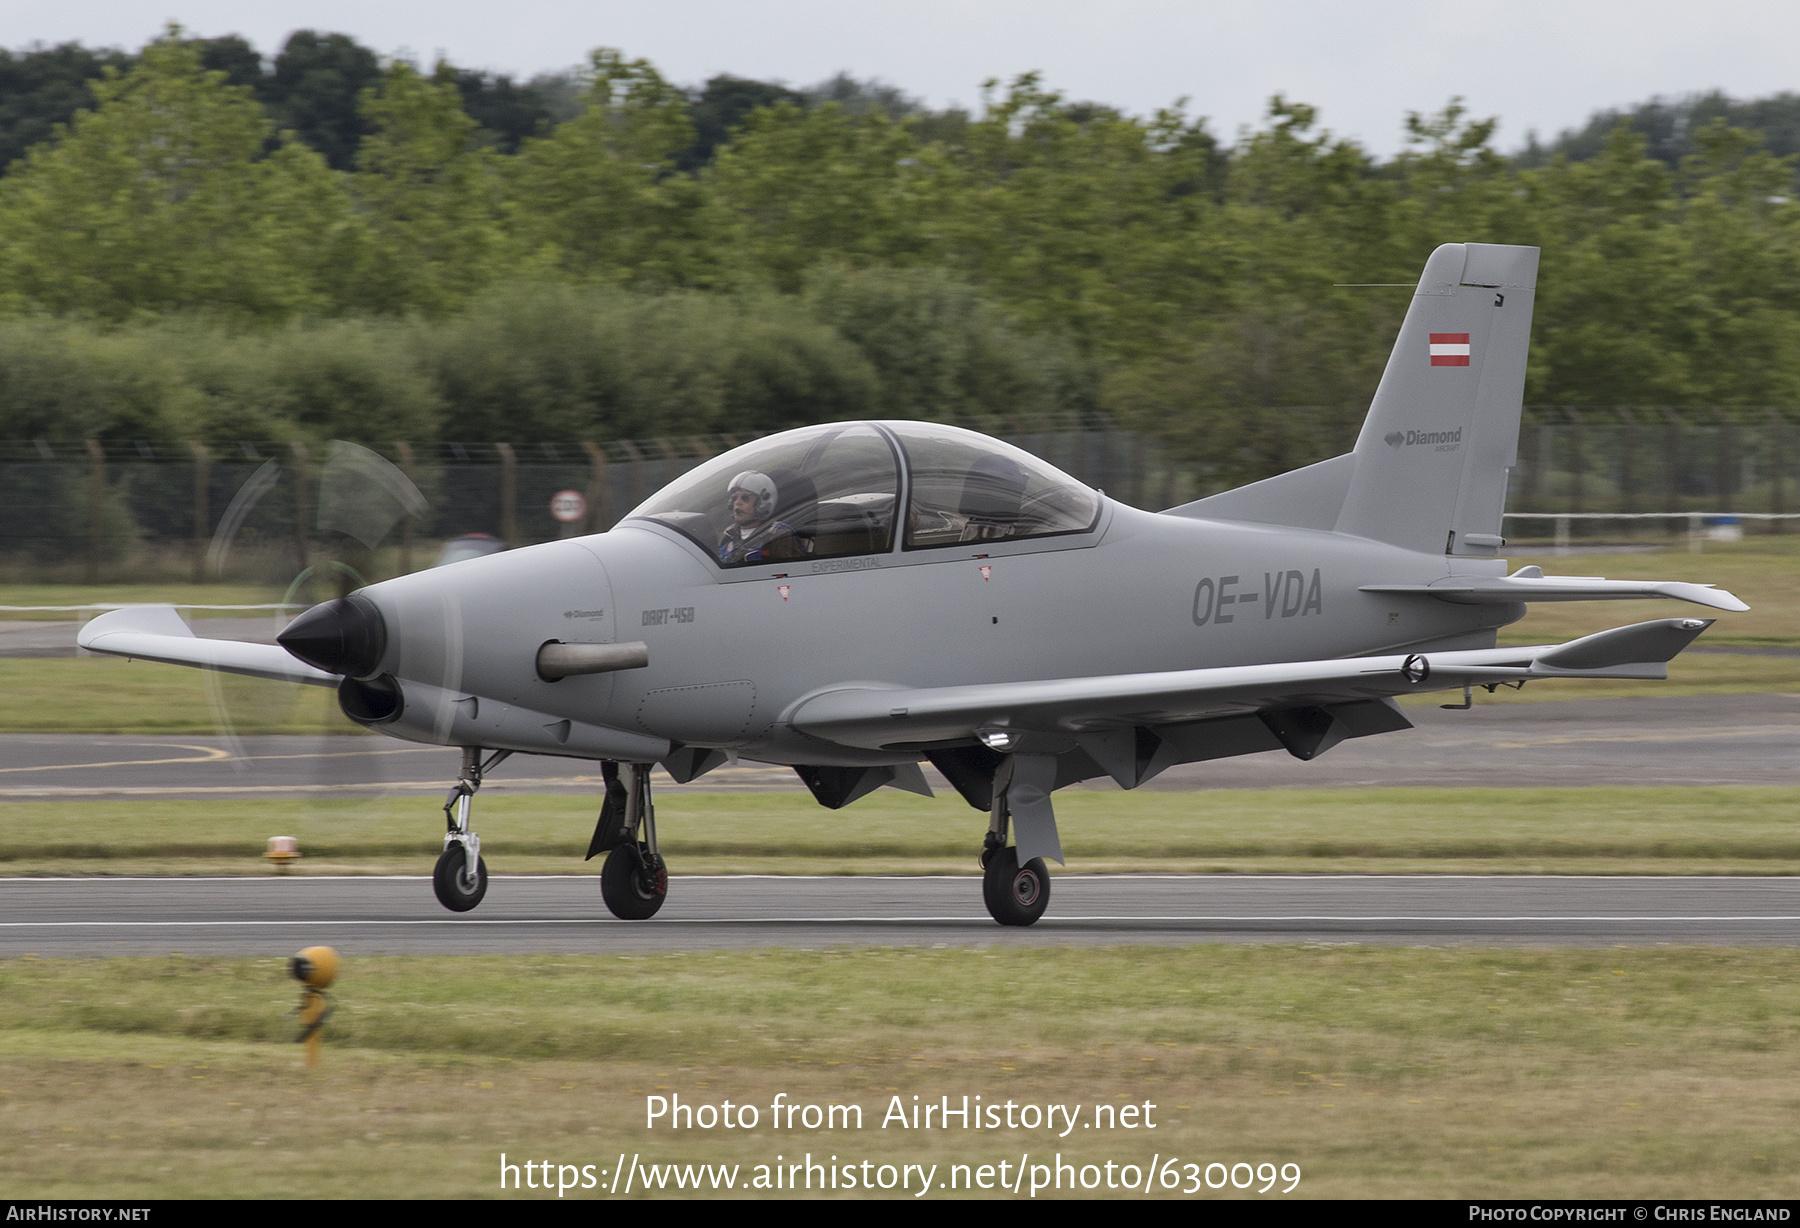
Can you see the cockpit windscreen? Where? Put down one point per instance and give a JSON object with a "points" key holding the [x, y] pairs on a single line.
{"points": [[821, 492]]}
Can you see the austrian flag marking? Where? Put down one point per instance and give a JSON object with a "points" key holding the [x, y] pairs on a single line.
{"points": [[1449, 349]]}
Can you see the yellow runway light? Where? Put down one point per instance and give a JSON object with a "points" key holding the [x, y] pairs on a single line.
{"points": [[315, 968]]}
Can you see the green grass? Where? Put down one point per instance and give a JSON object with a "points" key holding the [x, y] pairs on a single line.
{"points": [[1744, 830], [123, 594], [114, 695], [1381, 1072]]}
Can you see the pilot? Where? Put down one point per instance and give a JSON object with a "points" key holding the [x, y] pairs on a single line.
{"points": [[754, 535]]}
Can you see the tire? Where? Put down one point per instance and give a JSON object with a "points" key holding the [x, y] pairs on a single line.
{"points": [[447, 882], [1015, 894], [632, 891]]}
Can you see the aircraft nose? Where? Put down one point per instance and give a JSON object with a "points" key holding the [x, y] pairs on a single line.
{"points": [[347, 636]]}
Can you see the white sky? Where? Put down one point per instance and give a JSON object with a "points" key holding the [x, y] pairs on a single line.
{"points": [[1542, 64]]}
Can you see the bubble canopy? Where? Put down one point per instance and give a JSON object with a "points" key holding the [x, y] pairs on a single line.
{"points": [[832, 491]]}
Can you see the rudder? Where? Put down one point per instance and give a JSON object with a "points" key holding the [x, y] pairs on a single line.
{"points": [[1443, 431]]}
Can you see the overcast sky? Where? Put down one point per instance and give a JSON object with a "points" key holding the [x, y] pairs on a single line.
{"points": [[1537, 64]]}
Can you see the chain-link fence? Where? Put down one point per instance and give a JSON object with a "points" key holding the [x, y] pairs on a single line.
{"points": [[111, 512], [149, 511]]}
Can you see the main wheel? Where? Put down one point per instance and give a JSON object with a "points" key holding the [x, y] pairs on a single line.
{"points": [[1015, 894], [447, 880], [633, 890]]}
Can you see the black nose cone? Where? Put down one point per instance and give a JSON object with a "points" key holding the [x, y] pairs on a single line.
{"points": [[346, 636]]}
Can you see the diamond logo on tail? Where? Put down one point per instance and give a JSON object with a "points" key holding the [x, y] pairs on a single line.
{"points": [[1394, 438]]}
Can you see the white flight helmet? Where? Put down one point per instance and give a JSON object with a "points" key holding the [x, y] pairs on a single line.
{"points": [[759, 485]]}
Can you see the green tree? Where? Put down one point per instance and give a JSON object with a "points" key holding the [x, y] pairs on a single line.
{"points": [[160, 199], [315, 88], [431, 194], [598, 200], [44, 87]]}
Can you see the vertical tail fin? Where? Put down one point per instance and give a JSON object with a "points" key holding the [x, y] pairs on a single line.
{"points": [[1433, 456]]}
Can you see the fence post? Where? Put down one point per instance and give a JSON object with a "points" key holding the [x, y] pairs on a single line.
{"points": [[1138, 466], [599, 502], [509, 495], [1778, 458], [1671, 461], [1577, 460], [404, 451], [1562, 534], [202, 506], [637, 470], [1696, 534], [1727, 458], [301, 504], [96, 507], [671, 468], [1628, 467]]}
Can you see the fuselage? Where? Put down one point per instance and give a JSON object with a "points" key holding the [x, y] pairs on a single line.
{"points": [[731, 651]]}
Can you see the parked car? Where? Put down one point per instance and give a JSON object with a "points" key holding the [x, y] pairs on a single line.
{"points": [[469, 546]]}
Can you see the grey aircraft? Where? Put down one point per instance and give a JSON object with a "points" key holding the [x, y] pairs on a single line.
{"points": [[855, 598]]}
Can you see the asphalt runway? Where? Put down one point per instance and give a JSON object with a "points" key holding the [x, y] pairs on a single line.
{"points": [[1649, 740], [564, 913]]}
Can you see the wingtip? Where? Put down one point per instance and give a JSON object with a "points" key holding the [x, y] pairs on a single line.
{"points": [[1719, 599]]}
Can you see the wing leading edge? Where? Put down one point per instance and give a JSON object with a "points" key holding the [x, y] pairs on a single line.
{"points": [[157, 633]]}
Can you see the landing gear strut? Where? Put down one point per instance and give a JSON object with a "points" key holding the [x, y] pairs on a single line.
{"points": [[634, 882], [1014, 894], [461, 877]]}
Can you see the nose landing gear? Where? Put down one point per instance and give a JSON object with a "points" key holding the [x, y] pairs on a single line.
{"points": [[461, 878]]}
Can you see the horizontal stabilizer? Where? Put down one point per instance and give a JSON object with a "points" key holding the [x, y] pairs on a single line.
{"points": [[1531, 584], [907, 718], [157, 633]]}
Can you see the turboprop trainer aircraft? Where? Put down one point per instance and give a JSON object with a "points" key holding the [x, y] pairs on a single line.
{"points": [[857, 598]]}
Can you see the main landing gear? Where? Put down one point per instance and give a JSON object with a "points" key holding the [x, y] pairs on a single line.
{"points": [[634, 882], [1014, 894], [461, 877]]}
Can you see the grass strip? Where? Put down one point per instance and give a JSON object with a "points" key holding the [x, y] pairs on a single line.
{"points": [[1381, 1072], [1603, 829]]}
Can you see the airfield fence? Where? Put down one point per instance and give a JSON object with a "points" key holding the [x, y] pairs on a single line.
{"points": [[141, 510]]}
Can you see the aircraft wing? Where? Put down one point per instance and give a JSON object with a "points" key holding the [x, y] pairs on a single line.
{"points": [[157, 633], [1531, 584], [903, 718]]}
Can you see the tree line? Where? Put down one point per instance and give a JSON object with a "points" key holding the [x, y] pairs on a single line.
{"points": [[626, 259]]}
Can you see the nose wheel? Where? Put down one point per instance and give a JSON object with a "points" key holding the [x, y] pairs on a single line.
{"points": [[460, 878], [458, 889]]}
